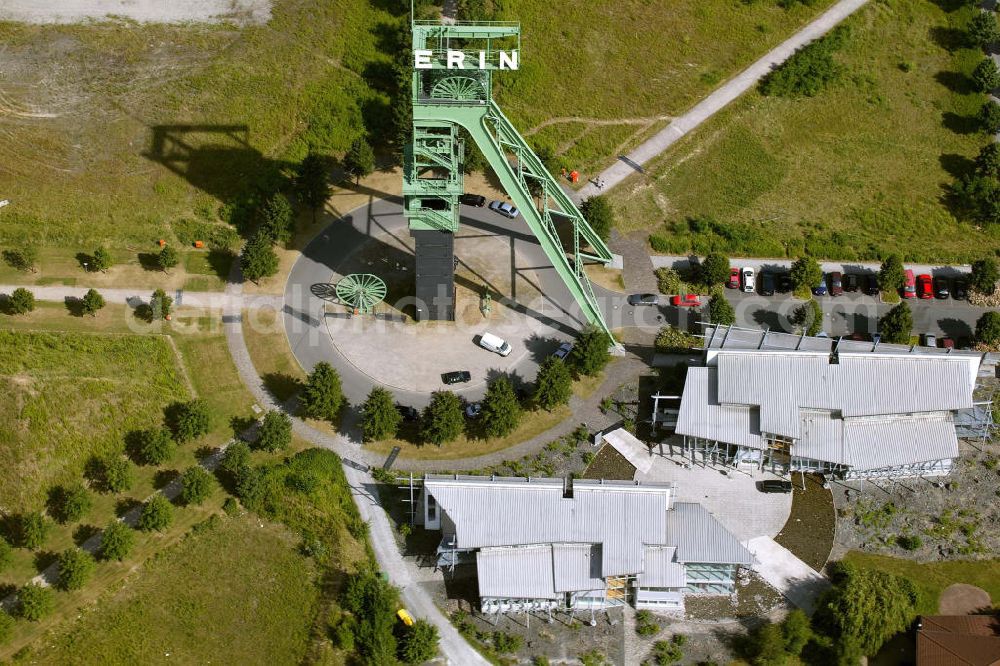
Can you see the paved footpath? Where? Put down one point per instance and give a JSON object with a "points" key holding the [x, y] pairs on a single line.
{"points": [[715, 102], [788, 574]]}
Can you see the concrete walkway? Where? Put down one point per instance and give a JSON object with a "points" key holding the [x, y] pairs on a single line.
{"points": [[788, 574], [715, 102]]}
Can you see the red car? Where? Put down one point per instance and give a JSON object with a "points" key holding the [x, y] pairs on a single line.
{"points": [[925, 288], [686, 301], [734, 278]]}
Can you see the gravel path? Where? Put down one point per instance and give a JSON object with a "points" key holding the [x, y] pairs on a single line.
{"points": [[242, 12]]}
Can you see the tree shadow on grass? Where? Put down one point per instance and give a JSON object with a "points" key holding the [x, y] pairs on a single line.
{"points": [[281, 386], [163, 477], [74, 306], [126, 504], [83, 533], [44, 559], [149, 261], [220, 262], [960, 124], [949, 38], [956, 82], [956, 165]]}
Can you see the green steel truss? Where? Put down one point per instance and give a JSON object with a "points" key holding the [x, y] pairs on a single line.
{"points": [[445, 99]]}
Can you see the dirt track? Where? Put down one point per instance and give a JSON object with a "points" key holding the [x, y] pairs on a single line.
{"points": [[145, 11]]}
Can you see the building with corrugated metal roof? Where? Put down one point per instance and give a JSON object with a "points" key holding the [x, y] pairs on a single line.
{"points": [[850, 413], [549, 544]]}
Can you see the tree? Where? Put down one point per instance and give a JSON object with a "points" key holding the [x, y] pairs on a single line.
{"points": [[379, 417], [156, 514], [101, 261], [554, 384], [418, 643], [989, 117], [805, 273], [322, 397], [897, 324], [75, 568], [275, 432], [796, 631], [714, 269], [235, 461], [591, 352], [808, 71], [501, 411], [766, 646], [372, 602], [985, 76], [32, 530], [988, 328], [984, 275], [91, 302], [809, 316], [190, 420], [167, 258], [34, 602], [599, 215], [117, 541], [68, 504], [21, 301], [160, 305], [258, 259], [277, 219], [6, 554], [115, 473], [982, 29], [442, 419], [721, 311], [311, 182], [155, 446], [196, 485], [978, 197], [865, 607], [23, 259], [988, 160], [892, 275], [359, 160]]}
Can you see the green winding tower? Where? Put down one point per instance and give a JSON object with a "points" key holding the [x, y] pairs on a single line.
{"points": [[452, 84]]}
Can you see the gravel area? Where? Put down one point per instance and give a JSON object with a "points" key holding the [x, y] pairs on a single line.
{"points": [[811, 525], [957, 516], [242, 12]]}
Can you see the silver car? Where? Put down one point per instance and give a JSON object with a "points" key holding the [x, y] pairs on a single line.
{"points": [[504, 209]]}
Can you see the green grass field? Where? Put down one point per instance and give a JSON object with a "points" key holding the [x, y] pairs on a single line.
{"points": [[932, 578], [236, 592], [630, 61], [71, 396], [855, 172]]}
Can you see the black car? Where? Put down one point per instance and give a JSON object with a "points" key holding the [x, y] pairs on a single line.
{"points": [[774, 486], [960, 290], [476, 200], [408, 413], [940, 287], [767, 284], [871, 285], [456, 377], [784, 283], [851, 282], [643, 299]]}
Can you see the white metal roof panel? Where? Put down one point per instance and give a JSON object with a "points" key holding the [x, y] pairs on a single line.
{"points": [[876, 443], [660, 570], [577, 567], [699, 537], [522, 573], [701, 415]]}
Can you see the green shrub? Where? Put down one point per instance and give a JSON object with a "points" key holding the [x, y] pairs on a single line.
{"points": [[6, 626], [379, 417], [323, 396], [21, 301], [32, 530], [216, 236], [909, 541], [275, 432], [68, 504], [442, 420], [196, 485], [591, 352], [75, 568], [505, 643], [156, 514], [673, 340], [501, 411], [189, 420], [418, 643], [117, 541], [155, 446], [34, 602], [808, 71]]}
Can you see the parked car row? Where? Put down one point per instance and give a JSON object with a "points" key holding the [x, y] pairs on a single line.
{"points": [[940, 287]]}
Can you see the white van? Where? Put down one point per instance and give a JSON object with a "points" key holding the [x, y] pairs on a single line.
{"points": [[494, 344]]}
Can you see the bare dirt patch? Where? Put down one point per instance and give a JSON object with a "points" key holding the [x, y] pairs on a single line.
{"points": [[242, 12], [962, 599]]}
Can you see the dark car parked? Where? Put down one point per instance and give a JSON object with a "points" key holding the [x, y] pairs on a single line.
{"points": [[407, 412], [960, 290], [836, 283], [941, 287], [476, 200], [767, 284], [784, 283], [871, 284], [456, 377], [851, 282], [774, 486], [643, 299]]}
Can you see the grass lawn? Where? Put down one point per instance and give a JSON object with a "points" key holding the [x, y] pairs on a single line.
{"points": [[632, 61], [853, 173], [267, 343], [236, 592], [932, 578]]}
